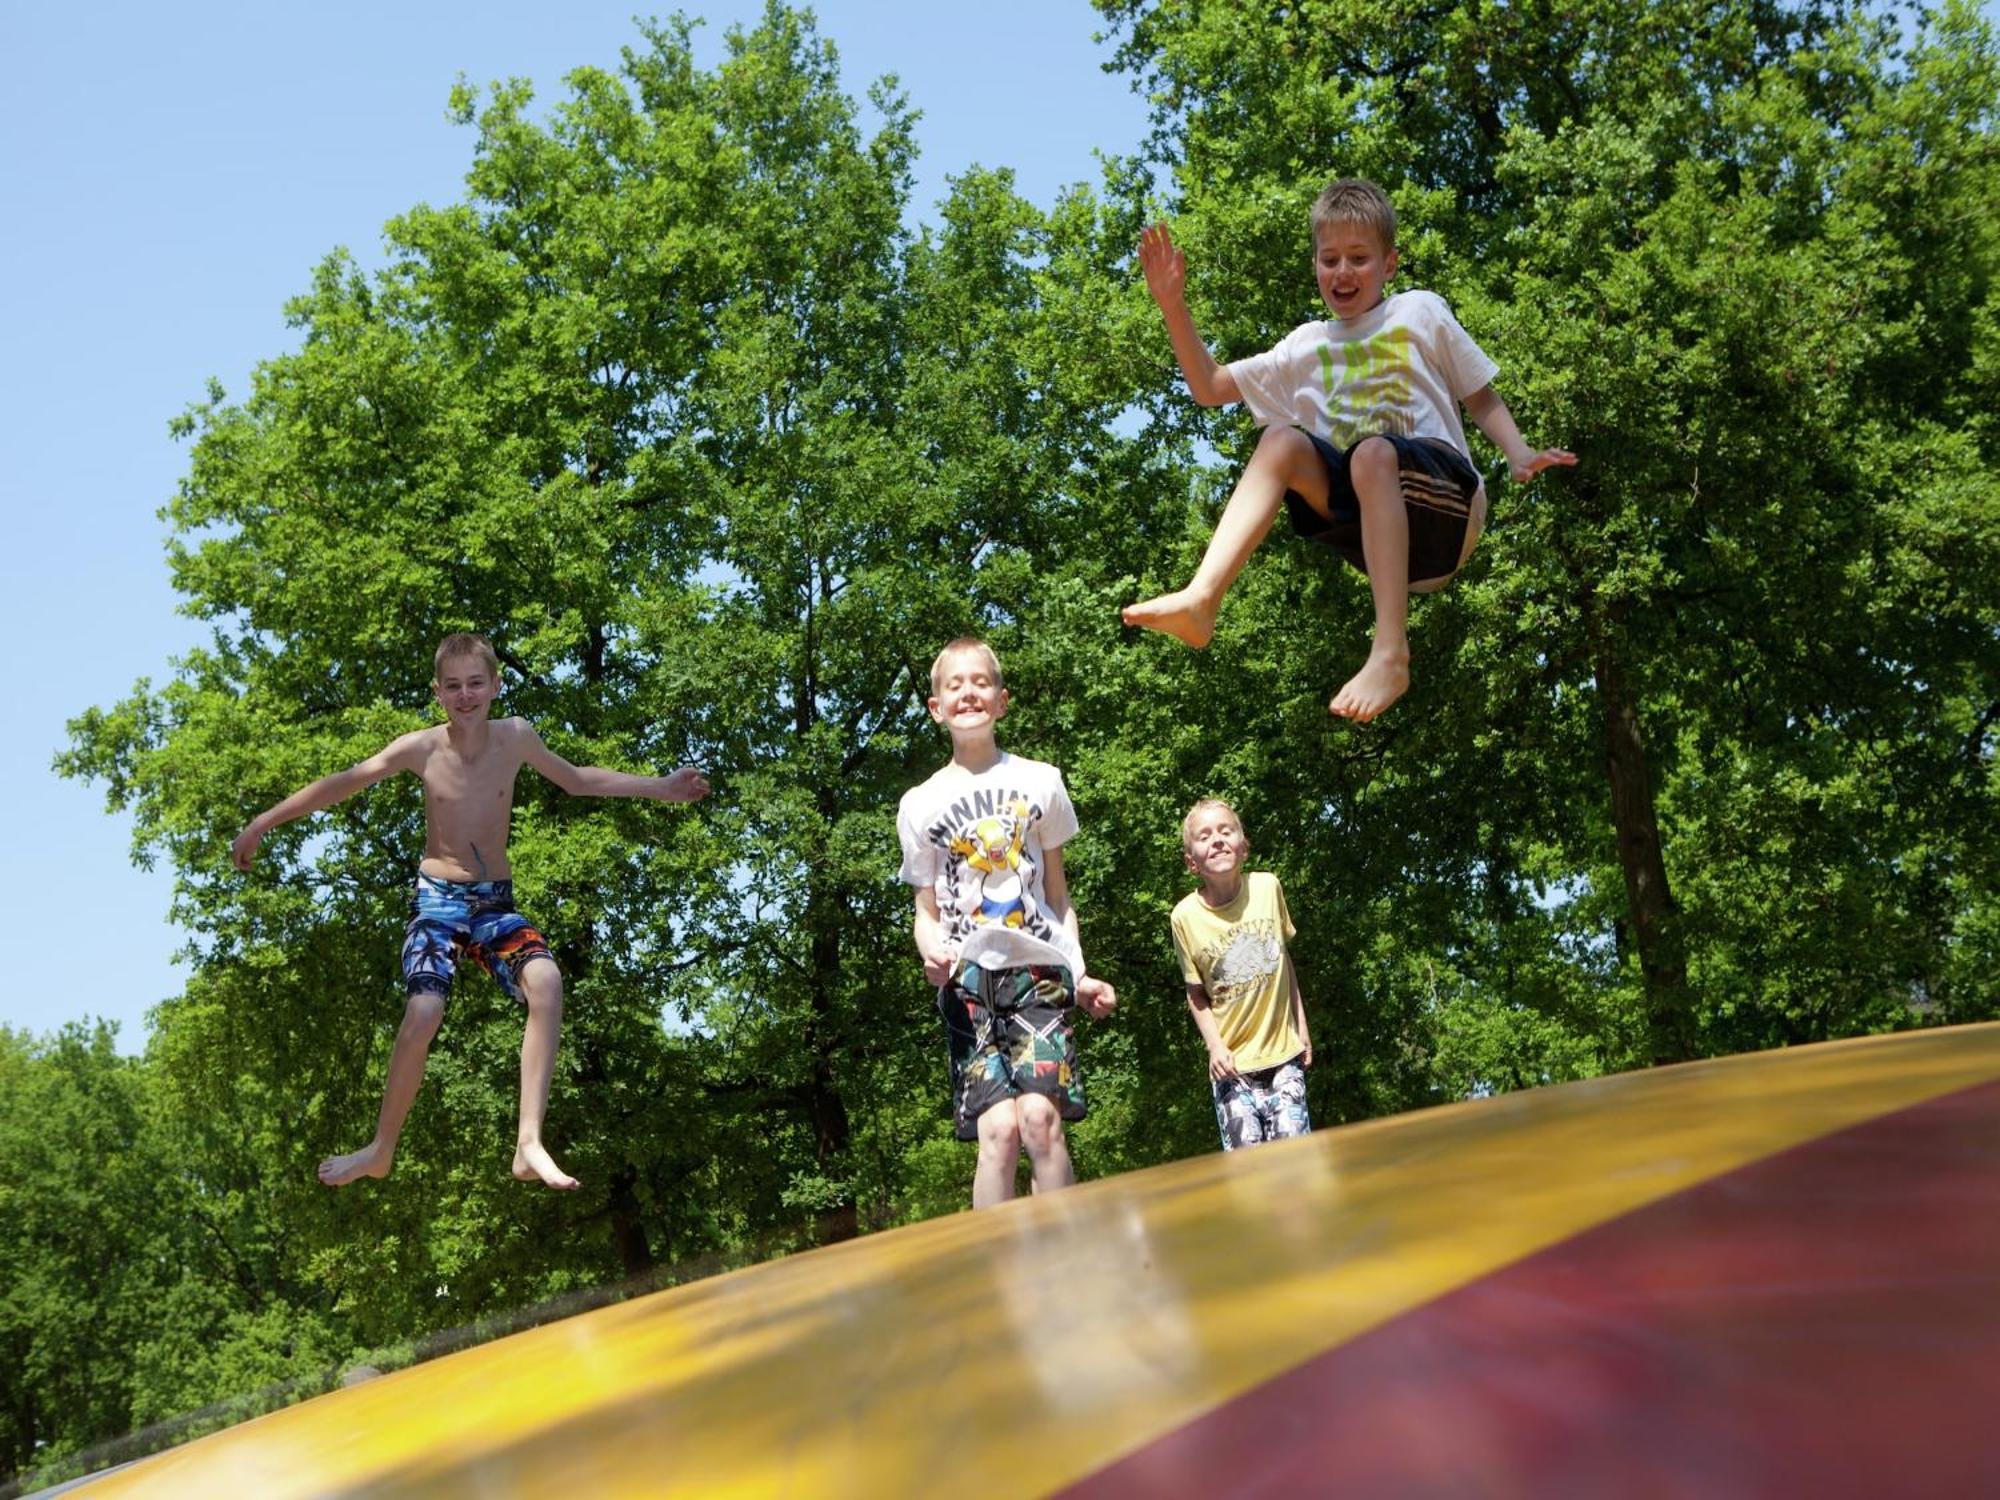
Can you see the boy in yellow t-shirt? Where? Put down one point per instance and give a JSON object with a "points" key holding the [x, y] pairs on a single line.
{"points": [[1230, 936]]}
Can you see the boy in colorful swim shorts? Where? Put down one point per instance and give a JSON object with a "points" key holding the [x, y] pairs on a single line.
{"points": [[464, 905], [982, 844], [1361, 445], [1230, 936]]}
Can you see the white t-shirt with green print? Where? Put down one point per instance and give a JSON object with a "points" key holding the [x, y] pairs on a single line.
{"points": [[1401, 367]]}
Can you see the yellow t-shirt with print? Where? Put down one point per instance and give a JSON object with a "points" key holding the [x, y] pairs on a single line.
{"points": [[1237, 953]]}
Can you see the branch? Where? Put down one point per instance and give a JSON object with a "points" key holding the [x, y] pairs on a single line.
{"points": [[1978, 735], [682, 965], [519, 668], [851, 762]]}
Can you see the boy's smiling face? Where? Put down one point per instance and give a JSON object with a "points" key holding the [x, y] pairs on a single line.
{"points": [[465, 688], [1352, 266], [1215, 843], [969, 697]]}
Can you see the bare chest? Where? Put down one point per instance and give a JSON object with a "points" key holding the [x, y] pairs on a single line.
{"points": [[476, 788]]}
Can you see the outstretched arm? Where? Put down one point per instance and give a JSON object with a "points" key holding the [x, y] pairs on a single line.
{"points": [[401, 754], [1486, 408], [685, 785], [1165, 266], [1095, 995]]}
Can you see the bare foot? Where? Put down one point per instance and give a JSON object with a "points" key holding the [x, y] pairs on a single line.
{"points": [[1383, 678], [1179, 614], [532, 1161], [369, 1161]]}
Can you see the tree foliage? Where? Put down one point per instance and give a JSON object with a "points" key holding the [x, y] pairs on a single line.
{"points": [[1715, 712], [677, 407]]}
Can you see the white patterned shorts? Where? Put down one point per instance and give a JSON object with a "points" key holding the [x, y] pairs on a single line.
{"points": [[1268, 1105]]}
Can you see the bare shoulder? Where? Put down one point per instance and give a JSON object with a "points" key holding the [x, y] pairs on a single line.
{"points": [[409, 752], [518, 736]]}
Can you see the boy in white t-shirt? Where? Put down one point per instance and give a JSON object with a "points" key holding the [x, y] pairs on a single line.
{"points": [[1230, 937], [1361, 443], [982, 843]]}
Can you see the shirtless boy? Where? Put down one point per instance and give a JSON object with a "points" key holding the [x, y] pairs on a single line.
{"points": [[464, 902]]}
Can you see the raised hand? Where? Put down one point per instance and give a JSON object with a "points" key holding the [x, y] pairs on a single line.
{"points": [[1165, 266]]}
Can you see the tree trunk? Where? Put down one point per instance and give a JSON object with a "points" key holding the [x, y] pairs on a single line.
{"points": [[828, 1109], [628, 1225], [1649, 901]]}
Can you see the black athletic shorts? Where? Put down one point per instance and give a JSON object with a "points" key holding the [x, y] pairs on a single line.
{"points": [[1439, 485]]}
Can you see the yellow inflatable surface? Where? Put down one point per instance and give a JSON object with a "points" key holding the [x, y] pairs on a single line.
{"points": [[1770, 1274]]}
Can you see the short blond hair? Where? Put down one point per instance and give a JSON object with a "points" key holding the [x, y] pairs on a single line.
{"points": [[464, 643], [1355, 200], [1187, 823], [959, 647]]}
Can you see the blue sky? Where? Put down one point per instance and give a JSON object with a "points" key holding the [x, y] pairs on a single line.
{"points": [[171, 176]]}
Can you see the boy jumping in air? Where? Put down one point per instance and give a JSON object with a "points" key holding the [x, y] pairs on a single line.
{"points": [[982, 844], [464, 904], [1361, 444]]}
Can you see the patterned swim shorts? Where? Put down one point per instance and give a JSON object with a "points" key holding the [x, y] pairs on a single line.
{"points": [[452, 920], [1009, 1034], [1268, 1105]]}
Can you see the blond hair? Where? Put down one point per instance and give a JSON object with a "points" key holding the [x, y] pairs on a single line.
{"points": [[1355, 200], [1187, 823], [958, 647], [464, 643]]}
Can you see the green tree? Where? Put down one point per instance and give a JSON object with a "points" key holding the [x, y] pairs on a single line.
{"points": [[139, 1279], [82, 1261], [677, 410], [1711, 717]]}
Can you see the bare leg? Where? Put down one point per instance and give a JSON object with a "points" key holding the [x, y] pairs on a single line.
{"points": [[999, 1153], [1285, 460], [421, 1015], [541, 989], [1048, 1148], [1385, 542]]}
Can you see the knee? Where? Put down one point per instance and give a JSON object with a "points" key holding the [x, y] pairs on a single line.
{"points": [[542, 988], [1286, 447], [1041, 1127], [1278, 438], [423, 1012], [1000, 1129], [1373, 458]]}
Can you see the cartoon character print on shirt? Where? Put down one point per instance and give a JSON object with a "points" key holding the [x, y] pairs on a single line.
{"points": [[1249, 955], [992, 849], [990, 874], [1371, 378]]}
